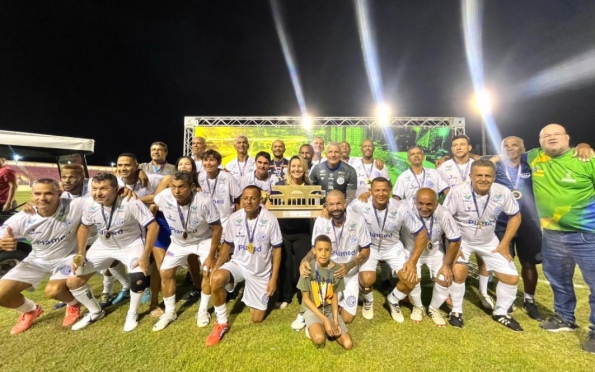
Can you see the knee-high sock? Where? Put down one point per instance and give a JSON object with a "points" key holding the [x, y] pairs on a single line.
{"points": [[439, 295], [505, 295], [457, 293], [84, 295], [483, 283], [415, 296], [119, 272]]}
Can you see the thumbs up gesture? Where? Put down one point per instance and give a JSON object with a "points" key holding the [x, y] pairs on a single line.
{"points": [[8, 241]]}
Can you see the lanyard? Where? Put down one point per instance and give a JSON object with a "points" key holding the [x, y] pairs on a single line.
{"points": [[423, 179], [383, 222], [184, 223], [423, 222], [242, 169], [338, 241], [318, 280], [111, 215], [515, 186], [477, 208], [368, 175], [466, 173], [251, 237], [212, 191], [278, 170]]}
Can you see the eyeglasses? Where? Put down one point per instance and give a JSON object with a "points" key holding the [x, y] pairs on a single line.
{"points": [[553, 135]]}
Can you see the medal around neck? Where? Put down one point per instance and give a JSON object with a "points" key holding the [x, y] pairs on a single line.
{"points": [[108, 234], [517, 194], [429, 246], [185, 235], [250, 248]]}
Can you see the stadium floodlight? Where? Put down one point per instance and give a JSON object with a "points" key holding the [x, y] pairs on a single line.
{"points": [[483, 102], [113, 164], [16, 157], [307, 122], [383, 113]]}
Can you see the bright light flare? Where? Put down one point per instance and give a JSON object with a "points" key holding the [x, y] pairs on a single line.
{"points": [[307, 122], [483, 102], [17, 157], [383, 114]]}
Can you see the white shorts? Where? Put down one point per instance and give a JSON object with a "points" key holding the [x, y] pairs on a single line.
{"points": [[255, 291], [394, 257], [177, 255], [100, 257], [348, 298], [32, 270], [494, 261], [433, 261]]}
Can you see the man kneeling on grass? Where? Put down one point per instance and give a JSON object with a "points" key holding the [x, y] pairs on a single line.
{"points": [[320, 304]]}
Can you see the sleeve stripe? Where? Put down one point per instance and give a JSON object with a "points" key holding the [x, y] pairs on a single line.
{"points": [[149, 222], [454, 239], [515, 213], [228, 243]]}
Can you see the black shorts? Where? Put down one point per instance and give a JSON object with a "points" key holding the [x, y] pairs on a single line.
{"points": [[527, 241]]}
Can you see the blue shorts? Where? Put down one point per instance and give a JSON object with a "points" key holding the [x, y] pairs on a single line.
{"points": [[163, 239]]}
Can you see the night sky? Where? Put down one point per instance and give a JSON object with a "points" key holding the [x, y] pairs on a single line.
{"points": [[126, 73]]}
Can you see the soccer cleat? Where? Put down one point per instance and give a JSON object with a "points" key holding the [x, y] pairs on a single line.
{"points": [[194, 293], [123, 296], [395, 313], [486, 301], [368, 310], [455, 320], [164, 321], [557, 324], [203, 318], [589, 344], [217, 334], [298, 323], [131, 322], [105, 300], [59, 305], [146, 296], [508, 322], [532, 311], [417, 314], [24, 322], [436, 317], [88, 319], [72, 315]]}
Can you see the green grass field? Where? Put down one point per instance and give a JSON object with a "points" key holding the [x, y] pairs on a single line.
{"points": [[380, 344]]}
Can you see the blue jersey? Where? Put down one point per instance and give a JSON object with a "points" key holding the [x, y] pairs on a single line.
{"points": [[524, 186]]}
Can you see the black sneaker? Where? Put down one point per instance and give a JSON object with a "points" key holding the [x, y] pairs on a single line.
{"points": [[194, 293], [557, 324], [508, 322], [455, 320], [589, 344], [532, 310]]}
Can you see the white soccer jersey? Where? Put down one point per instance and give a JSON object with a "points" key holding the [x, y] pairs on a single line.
{"points": [[265, 185], [476, 214], [195, 216], [441, 222], [142, 191], [199, 166], [353, 160], [238, 169], [455, 174], [128, 221], [408, 183], [266, 236], [223, 190], [346, 240], [386, 224], [51, 237], [367, 172]]}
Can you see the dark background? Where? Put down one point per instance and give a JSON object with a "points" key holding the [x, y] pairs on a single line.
{"points": [[126, 73]]}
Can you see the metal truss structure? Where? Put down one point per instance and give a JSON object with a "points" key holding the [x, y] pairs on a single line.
{"points": [[457, 125]]}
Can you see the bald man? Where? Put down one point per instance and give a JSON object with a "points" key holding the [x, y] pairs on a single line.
{"points": [[278, 165], [199, 145], [565, 199]]}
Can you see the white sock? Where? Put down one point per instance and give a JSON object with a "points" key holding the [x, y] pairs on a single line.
{"points": [[505, 295], [528, 296], [483, 283], [135, 299], [204, 302], [119, 272], [108, 284], [415, 296], [72, 303], [27, 306], [439, 295], [84, 295], [170, 304], [395, 296], [369, 297], [457, 293], [221, 312]]}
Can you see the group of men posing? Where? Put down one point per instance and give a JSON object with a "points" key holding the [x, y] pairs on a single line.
{"points": [[218, 215]]}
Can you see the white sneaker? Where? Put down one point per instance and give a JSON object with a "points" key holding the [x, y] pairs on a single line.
{"points": [[486, 301], [395, 313], [203, 318], [164, 321], [283, 305], [88, 319], [436, 317], [368, 310], [298, 323], [131, 322], [417, 314]]}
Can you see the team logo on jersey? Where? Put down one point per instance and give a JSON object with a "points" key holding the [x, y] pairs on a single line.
{"points": [[392, 213], [133, 262], [498, 197], [195, 221], [66, 224], [376, 174], [467, 197], [261, 237], [391, 226], [169, 205], [265, 299], [327, 230], [119, 222], [193, 208], [350, 301], [238, 222], [430, 184], [65, 270], [366, 209], [448, 166], [353, 226], [568, 178], [340, 180], [353, 240], [94, 207], [263, 222], [222, 191]]}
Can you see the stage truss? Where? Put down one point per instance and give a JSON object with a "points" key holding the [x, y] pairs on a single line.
{"points": [[457, 125]]}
